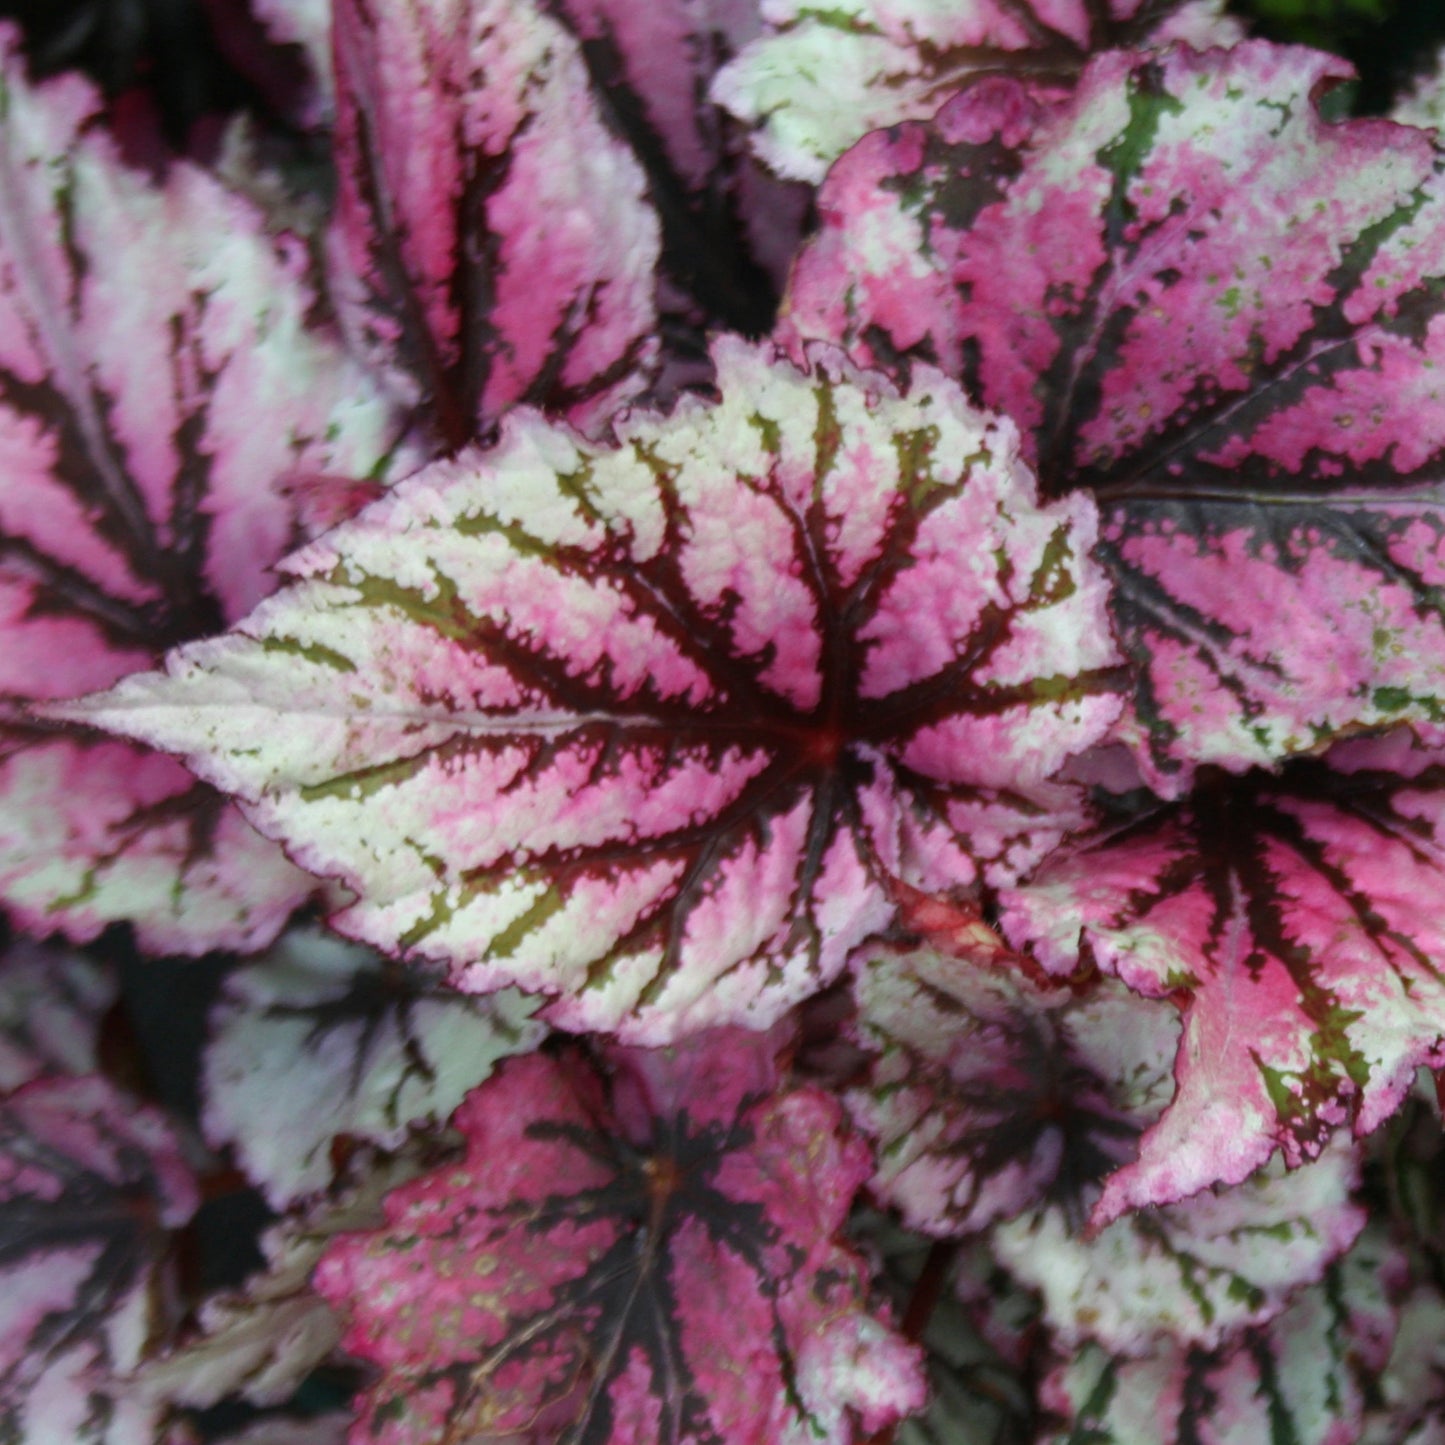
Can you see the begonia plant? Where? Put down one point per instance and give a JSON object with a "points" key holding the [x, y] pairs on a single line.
{"points": [[723, 723]]}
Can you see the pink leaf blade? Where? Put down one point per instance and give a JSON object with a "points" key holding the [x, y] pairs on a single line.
{"points": [[492, 242], [146, 430], [1296, 925], [1219, 373], [655, 1255]]}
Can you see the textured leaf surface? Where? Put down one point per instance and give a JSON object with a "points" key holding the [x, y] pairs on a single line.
{"points": [[1192, 1273], [373, 1051], [493, 242], [51, 1004], [1297, 923], [261, 1341], [144, 428], [1302, 1379], [648, 1254], [655, 729], [90, 1184], [1218, 310], [823, 76], [989, 1096]]}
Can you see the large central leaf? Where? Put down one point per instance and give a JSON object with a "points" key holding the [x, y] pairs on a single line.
{"points": [[656, 729]]}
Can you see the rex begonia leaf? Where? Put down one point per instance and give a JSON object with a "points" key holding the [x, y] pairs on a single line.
{"points": [[1194, 1272], [1298, 922], [51, 1004], [157, 378], [655, 728], [493, 242], [825, 75], [1301, 1379], [1220, 311], [729, 227], [91, 1184], [646, 1253], [261, 1340], [373, 1050], [988, 1095]]}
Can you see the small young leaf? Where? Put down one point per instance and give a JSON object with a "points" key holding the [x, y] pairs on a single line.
{"points": [[646, 1254], [157, 379], [1298, 924], [372, 1051], [657, 729], [825, 75], [492, 242], [91, 1183], [1218, 369]]}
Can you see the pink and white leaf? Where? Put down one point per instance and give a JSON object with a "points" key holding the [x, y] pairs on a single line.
{"points": [[657, 729], [493, 242], [1218, 371], [1297, 925], [260, 1341], [91, 1185], [145, 429], [1192, 1273], [612, 1247], [822, 77], [374, 1051], [52, 1001], [1305, 1377], [729, 227], [990, 1097], [1267, 626]]}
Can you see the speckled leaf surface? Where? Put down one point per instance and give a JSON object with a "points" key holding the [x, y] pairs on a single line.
{"points": [[1303, 1379], [492, 242], [91, 1183], [821, 77], [657, 729], [260, 1341], [645, 1253], [988, 1096], [1192, 1273], [1297, 924], [52, 1000], [144, 429], [1217, 309], [373, 1049]]}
